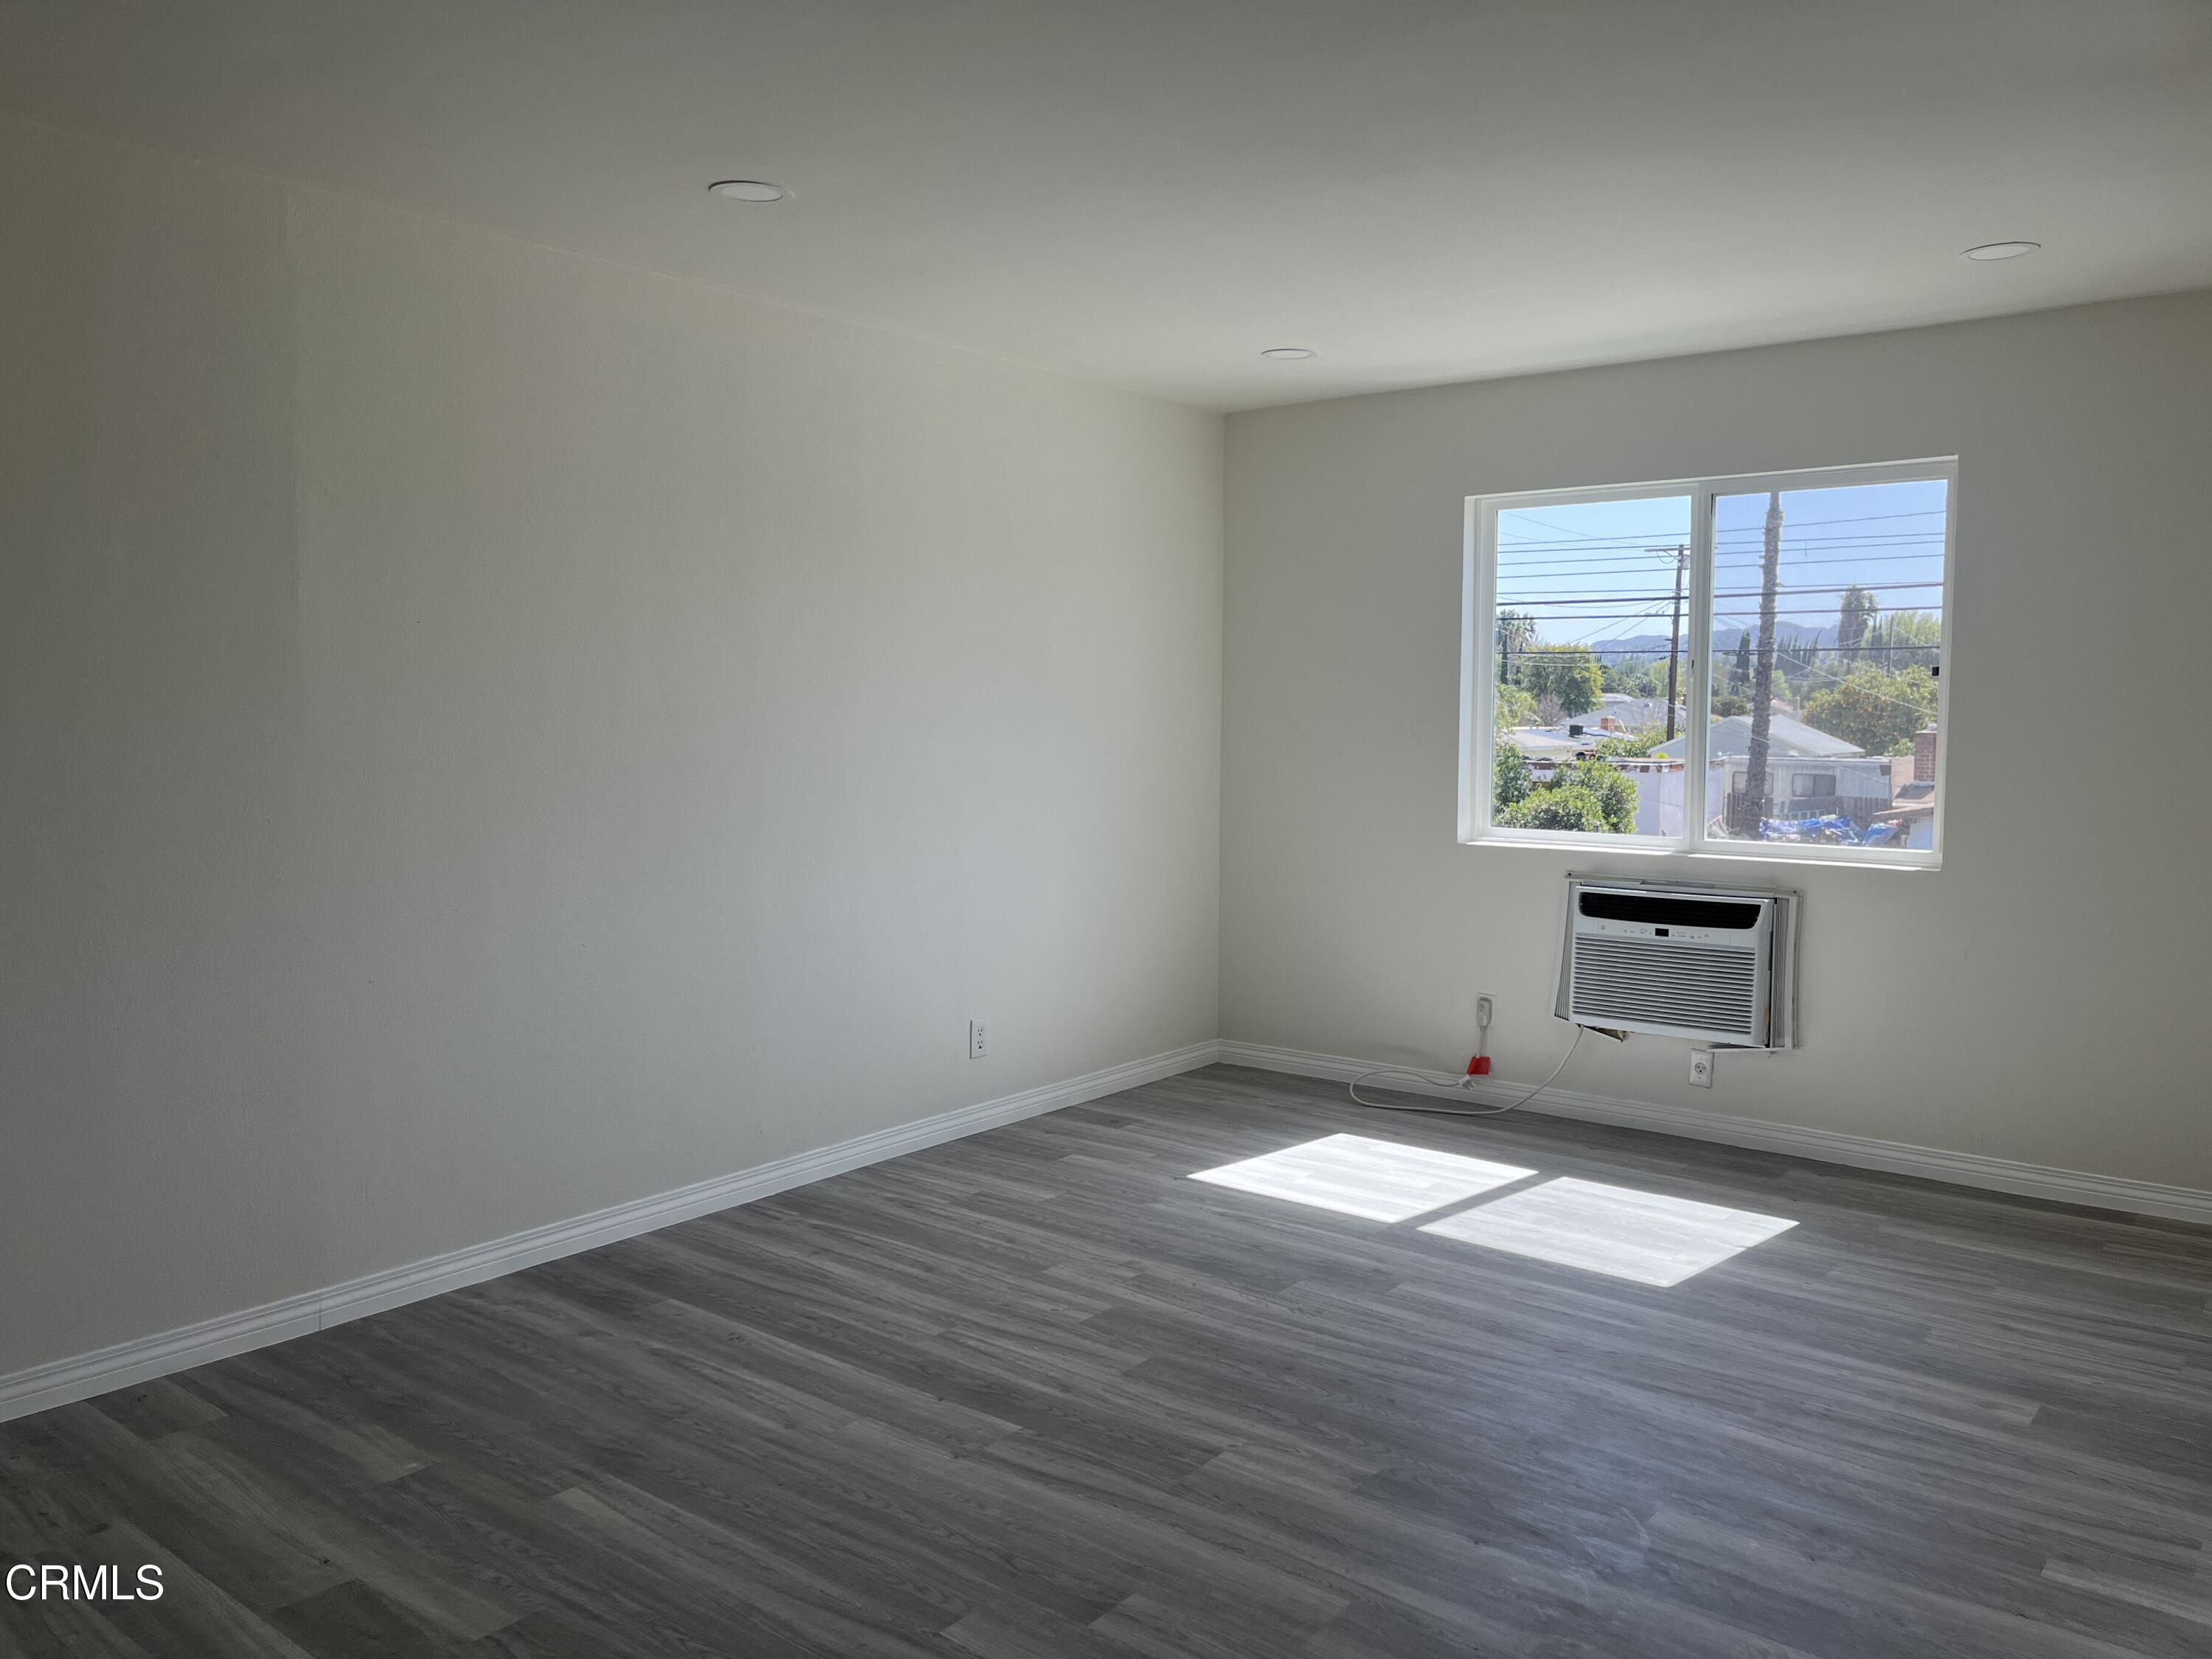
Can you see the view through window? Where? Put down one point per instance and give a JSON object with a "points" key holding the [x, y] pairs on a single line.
{"points": [[1801, 618], [1827, 629], [1593, 601]]}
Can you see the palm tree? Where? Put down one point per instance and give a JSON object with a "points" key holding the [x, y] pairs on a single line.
{"points": [[1517, 632], [1752, 805], [1853, 622]]}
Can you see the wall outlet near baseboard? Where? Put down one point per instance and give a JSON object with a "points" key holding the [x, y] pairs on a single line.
{"points": [[1701, 1067], [979, 1039]]}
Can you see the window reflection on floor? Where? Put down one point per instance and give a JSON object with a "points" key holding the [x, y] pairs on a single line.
{"points": [[1644, 1236], [1381, 1180]]}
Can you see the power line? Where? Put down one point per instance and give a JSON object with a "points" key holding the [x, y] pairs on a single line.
{"points": [[1543, 612], [1809, 665], [1726, 593], [1799, 619], [1658, 535], [1735, 555], [1847, 588], [1655, 654], [1889, 548], [1613, 552], [1735, 561], [1814, 672], [1529, 518], [1802, 646], [1808, 535], [1815, 532], [1626, 552], [1651, 614]]}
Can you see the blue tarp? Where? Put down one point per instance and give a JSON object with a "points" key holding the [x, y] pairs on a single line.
{"points": [[1834, 829]]}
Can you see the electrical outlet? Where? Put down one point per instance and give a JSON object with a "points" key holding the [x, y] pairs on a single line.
{"points": [[1485, 1009], [1701, 1067], [979, 1039]]}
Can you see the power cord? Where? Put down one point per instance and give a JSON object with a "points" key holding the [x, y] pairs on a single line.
{"points": [[1456, 1111]]}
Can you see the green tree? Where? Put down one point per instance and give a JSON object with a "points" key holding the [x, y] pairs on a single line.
{"points": [[1633, 678], [1631, 743], [1514, 707], [1510, 778], [1853, 619], [1726, 703], [1740, 670], [1565, 674], [1517, 632], [1875, 710], [1589, 796], [1557, 809], [1903, 640], [1797, 659], [1613, 788]]}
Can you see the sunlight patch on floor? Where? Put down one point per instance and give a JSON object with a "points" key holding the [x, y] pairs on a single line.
{"points": [[1381, 1180], [1644, 1237]]}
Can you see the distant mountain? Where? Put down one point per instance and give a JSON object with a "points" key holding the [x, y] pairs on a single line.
{"points": [[1790, 636], [1793, 636]]}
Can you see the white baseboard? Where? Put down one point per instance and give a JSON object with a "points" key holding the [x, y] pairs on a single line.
{"points": [[57, 1383], [1825, 1145]]}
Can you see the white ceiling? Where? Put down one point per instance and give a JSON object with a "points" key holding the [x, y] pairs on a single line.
{"points": [[1148, 193]]}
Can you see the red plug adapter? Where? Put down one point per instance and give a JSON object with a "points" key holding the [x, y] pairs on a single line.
{"points": [[1479, 1066]]}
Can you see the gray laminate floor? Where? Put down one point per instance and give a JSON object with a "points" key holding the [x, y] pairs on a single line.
{"points": [[1035, 1393]]}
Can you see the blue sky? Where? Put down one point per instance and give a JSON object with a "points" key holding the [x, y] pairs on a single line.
{"points": [[1596, 572]]}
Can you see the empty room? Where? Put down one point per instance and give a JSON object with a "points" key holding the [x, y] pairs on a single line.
{"points": [[1096, 828]]}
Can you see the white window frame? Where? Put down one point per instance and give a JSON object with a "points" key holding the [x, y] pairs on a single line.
{"points": [[1479, 666]]}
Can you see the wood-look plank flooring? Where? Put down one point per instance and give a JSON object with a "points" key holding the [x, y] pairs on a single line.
{"points": [[1033, 1393]]}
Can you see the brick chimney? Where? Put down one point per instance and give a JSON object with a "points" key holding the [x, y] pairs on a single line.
{"points": [[1923, 756]]}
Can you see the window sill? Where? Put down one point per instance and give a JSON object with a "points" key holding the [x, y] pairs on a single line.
{"points": [[1583, 845]]}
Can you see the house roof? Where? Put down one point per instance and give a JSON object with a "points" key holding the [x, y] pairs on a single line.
{"points": [[1732, 736], [1538, 744], [1651, 711]]}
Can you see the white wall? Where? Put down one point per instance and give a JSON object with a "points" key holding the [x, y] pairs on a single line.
{"points": [[2041, 998], [489, 735]]}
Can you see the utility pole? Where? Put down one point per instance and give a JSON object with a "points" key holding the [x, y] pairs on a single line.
{"points": [[1754, 806], [1681, 552]]}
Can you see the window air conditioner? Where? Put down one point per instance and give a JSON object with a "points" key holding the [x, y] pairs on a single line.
{"points": [[1714, 965]]}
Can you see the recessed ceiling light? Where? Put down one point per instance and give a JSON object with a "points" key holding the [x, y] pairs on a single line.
{"points": [[749, 190], [2002, 250], [1285, 353]]}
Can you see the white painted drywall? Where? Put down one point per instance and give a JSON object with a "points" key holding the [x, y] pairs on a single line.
{"points": [[489, 735], [2040, 998], [1149, 193]]}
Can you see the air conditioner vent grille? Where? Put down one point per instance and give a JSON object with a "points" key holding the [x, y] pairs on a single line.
{"points": [[1671, 909], [1643, 982]]}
